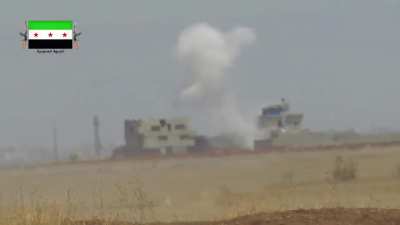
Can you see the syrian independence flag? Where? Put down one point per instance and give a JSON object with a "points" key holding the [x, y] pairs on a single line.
{"points": [[50, 34]]}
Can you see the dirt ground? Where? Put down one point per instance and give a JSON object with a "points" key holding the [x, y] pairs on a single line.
{"points": [[337, 216], [206, 189]]}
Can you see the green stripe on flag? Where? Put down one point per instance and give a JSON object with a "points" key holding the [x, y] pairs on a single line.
{"points": [[50, 25]]}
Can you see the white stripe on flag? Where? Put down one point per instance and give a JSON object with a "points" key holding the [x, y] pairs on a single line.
{"points": [[49, 34]]}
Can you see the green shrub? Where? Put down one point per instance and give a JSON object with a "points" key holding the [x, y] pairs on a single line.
{"points": [[288, 177], [397, 171], [73, 157], [344, 170]]}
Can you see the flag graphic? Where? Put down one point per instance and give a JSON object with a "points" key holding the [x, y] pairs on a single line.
{"points": [[50, 34]]}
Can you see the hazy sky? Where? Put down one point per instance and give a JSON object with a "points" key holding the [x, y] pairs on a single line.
{"points": [[337, 61]]}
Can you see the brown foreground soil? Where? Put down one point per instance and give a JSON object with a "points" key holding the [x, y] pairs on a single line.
{"points": [[338, 216]]}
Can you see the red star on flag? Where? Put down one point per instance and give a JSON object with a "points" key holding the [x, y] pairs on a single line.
{"points": [[64, 34], [50, 34], [36, 34]]}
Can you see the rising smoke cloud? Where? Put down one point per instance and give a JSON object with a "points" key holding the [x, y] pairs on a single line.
{"points": [[208, 53]]}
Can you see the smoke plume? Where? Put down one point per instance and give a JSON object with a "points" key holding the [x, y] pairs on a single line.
{"points": [[208, 53]]}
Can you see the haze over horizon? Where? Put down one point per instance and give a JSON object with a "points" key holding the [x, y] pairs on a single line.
{"points": [[335, 61]]}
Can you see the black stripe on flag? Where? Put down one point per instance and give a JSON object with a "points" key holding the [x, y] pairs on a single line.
{"points": [[50, 44]]}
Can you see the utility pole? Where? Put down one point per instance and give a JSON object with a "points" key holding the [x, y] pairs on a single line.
{"points": [[55, 143], [97, 143]]}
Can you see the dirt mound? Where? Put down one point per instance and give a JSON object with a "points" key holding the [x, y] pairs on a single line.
{"points": [[338, 216]]}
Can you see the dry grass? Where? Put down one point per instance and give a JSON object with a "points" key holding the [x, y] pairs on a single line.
{"points": [[196, 189]]}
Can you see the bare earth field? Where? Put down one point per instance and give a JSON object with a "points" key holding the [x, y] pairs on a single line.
{"points": [[212, 189], [338, 216]]}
